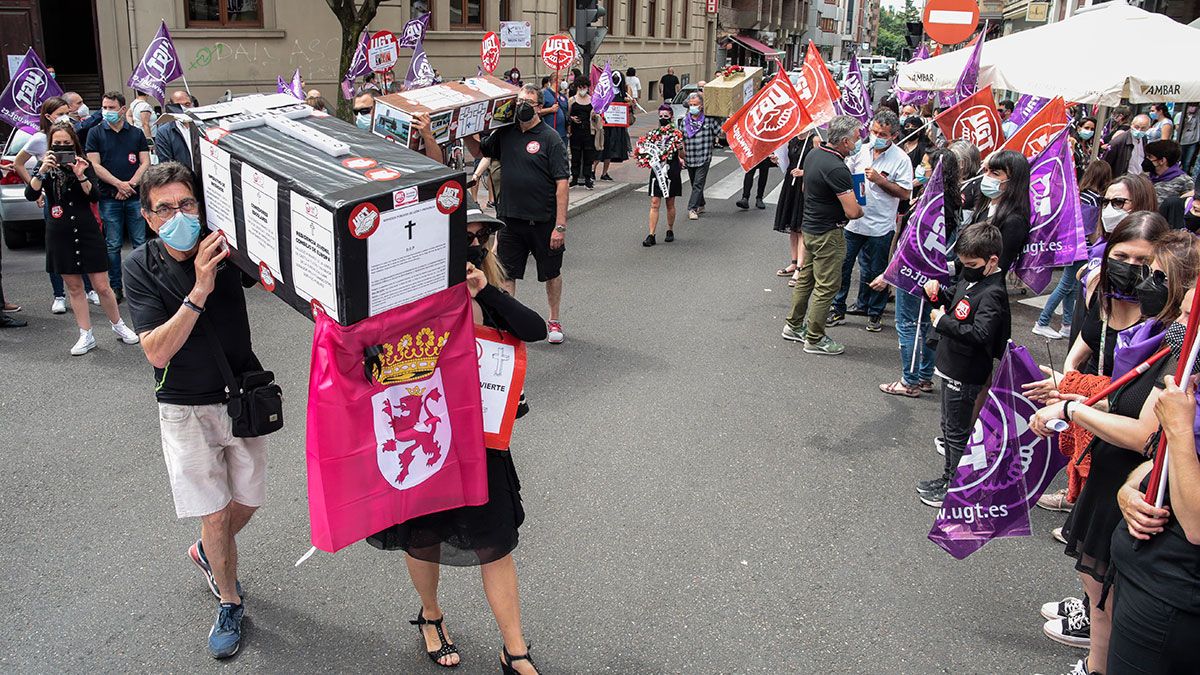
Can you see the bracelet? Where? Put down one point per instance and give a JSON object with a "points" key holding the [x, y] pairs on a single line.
{"points": [[187, 302], [1067, 410]]}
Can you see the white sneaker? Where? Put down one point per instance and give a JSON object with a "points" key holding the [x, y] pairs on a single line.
{"points": [[1047, 332], [1073, 631], [93, 298], [127, 336], [693, 215], [1066, 331], [59, 306], [554, 332], [85, 344], [940, 444]]}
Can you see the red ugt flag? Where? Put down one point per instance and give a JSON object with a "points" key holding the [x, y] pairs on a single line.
{"points": [[773, 117], [1035, 134], [817, 90], [975, 120]]}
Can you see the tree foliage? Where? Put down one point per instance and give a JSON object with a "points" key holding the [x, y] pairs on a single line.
{"points": [[893, 29], [353, 16]]}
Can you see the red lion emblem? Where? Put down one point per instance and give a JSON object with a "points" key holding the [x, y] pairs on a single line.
{"points": [[410, 430]]}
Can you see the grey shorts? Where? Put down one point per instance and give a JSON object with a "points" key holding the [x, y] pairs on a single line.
{"points": [[208, 466]]}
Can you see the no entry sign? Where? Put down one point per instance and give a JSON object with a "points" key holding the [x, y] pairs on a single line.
{"points": [[950, 21], [382, 51], [558, 52]]}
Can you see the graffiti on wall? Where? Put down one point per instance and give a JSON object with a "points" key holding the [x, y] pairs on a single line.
{"points": [[316, 58]]}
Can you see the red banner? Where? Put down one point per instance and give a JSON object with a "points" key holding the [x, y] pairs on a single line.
{"points": [[489, 52], [1035, 134], [773, 117], [975, 120], [817, 90], [501, 377]]}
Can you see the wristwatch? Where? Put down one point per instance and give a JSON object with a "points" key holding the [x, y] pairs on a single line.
{"points": [[560, 228]]}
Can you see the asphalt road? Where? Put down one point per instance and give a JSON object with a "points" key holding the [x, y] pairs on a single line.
{"points": [[702, 496]]}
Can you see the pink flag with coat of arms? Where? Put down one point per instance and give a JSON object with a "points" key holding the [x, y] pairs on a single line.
{"points": [[395, 422]]}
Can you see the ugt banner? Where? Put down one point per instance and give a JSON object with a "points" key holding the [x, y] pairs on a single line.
{"points": [[1035, 133], [856, 100], [968, 81], [921, 255], [773, 117], [358, 66], [603, 91], [917, 98], [1005, 468], [1056, 235], [817, 90], [420, 73], [1026, 107], [395, 425], [159, 66], [975, 120], [30, 86]]}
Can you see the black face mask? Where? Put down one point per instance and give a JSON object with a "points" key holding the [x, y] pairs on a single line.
{"points": [[1123, 279], [525, 111], [973, 275], [662, 122], [476, 254], [1192, 223], [1152, 294]]}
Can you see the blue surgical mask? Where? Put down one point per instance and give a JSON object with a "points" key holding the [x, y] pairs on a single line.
{"points": [[1086, 134], [112, 116], [694, 109], [181, 232], [879, 143], [857, 146], [1138, 134], [362, 121], [1153, 115], [919, 173], [990, 186]]}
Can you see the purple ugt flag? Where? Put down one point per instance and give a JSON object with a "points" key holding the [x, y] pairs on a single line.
{"points": [[1056, 228], [603, 92], [921, 254], [413, 32], [917, 98], [420, 73], [1027, 106], [159, 66], [968, 81], [30, 86], [855, 100], [1004, 469], [297, 86], [358, 66]]}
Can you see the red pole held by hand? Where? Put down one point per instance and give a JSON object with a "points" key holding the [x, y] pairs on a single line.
{"points": [[1158, 478]]}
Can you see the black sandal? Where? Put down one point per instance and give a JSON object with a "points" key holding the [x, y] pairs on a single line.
{"points": [[446, 649], [506, 662]]}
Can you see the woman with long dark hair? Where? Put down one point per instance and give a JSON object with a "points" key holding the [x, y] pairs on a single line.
{"points": [[486, 535], [789, 212], [1123, 427], [1005, 186]]}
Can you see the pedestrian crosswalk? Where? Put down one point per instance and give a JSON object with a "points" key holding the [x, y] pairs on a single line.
{"points": [[717, 159], [729, 186]]}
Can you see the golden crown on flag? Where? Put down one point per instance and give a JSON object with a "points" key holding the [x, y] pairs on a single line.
{"points": [[412, 358]]}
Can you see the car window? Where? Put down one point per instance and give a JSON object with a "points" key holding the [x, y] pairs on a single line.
{"points": [[16, 141]]}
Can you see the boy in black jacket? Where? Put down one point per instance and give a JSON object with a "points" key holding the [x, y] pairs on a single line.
{"points": [[973, 325]]}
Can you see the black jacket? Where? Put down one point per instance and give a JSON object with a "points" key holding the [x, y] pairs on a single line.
{"points": [[974, 329], [171, 146]]}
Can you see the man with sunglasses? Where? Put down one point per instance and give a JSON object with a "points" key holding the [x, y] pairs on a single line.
{"points": [[183, 297]]}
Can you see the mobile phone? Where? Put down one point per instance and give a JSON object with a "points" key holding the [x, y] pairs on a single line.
{"points": [[65, 158]]}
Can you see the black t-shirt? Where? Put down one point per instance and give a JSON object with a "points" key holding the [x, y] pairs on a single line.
{"points": [[192, 377], [533, 162], [825, 177], [119, 153], [670, 86]]}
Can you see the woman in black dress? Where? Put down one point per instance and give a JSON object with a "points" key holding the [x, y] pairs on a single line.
{"points": [[616, 139], [789, 213], [483, 536], [666, 140], [580, 131], [1123, 426], [74, 241]]}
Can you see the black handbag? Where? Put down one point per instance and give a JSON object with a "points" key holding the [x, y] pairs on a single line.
{"points": [[255, 402]]}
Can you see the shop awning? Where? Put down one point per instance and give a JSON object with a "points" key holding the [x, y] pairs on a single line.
{"points": [[756, 46]]}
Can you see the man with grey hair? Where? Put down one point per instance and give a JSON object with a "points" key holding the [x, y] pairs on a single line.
{"points": [[889, 178], [1127, 150], [700, 134], [829, 203]]}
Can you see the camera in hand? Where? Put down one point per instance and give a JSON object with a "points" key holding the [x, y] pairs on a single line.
{"points": [[65, 158]]}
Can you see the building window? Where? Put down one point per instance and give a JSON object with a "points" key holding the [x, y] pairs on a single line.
{"points": [[652, 16], [683, 26], [505, 10], [566, 14], [631, 18], [670, 19], [224, 14], [828, 25], [466, 13]]}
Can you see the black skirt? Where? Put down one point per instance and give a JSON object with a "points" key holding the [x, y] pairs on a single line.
{"points": [[616, 145], [470, 535], [674, 180], [74, 240], [789, 213]]}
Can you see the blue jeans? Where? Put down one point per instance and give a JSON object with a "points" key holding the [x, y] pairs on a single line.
{"points": [[872, 261], [121, 216], [907, 306], [56, 283], [1064, 292]]}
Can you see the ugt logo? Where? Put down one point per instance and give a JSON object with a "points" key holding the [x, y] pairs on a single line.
{"points": [[161, 62], [30, 89], [774, 116]]}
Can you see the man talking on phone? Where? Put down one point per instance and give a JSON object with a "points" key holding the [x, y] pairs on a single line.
{"points": [[183, 298]]}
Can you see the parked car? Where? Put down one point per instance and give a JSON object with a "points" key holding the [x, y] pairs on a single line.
{"points": [[881, 70], [23, 222], [679, 103]]}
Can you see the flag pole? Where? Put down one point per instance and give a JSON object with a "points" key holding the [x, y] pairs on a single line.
{"points": [[1158, 475], [185, 84], [904, 140], [917, 336]]}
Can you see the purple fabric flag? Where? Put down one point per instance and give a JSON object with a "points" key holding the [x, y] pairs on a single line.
{"points": [[603, 91], [856, 100], [420, 73], [968, 81], [1055, 229], [413, 33], [1027, 106], [159, 66], [921, 254], [30, 86], [1005, 468], [358, 66], [917, 98], [297, 87], [282, 87]]}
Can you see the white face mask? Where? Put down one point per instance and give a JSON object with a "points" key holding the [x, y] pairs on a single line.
{"points": [[1111, 216], [83, 111]]}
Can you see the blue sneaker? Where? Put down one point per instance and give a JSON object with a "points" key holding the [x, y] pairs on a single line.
{"points": [[196, 554], [226, 634]]}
